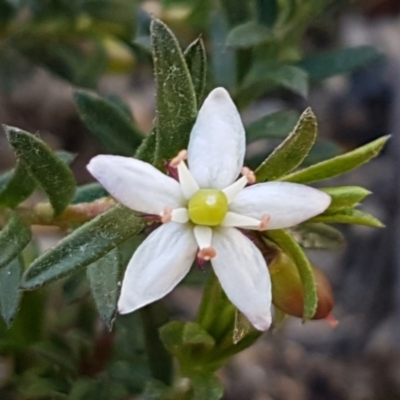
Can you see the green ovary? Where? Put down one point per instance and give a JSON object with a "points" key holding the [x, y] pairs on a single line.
{"points": [[208, 207]]}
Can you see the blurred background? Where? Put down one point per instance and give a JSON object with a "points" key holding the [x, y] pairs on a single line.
{"points": [[51, 48]]}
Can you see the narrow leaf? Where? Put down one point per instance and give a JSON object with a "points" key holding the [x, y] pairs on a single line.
{"points": [[349, 216], [111, 126], [13, 239], [196, 60], [104, 278], [345, 196], [88, 193], [289, 246], [146, 150], [84, 246], [337, 62], [292, 151], [338, 165], [52, 175], [176, 97], [248, 35], [273, 126], [10, 295], [16, 186], [318, 236]]}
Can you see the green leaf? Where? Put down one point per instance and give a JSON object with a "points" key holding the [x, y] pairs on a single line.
{"points": [[338, 165], [13, 239], [176, 97], [85, 245], [248, 35], [289, 246], [337, 62], [287, 76], [10, 295], [206, 386], [273, 126], [51, 174], [345, 196], [147, 149], [292, 151], [196, 60], [88, 193], [16, 186], [104, 278], [267, 12], [348, 216], [111, 126], [242, 327], [318, 236]]}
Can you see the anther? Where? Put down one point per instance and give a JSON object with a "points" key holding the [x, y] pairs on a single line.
{"points": [[264, 222], [207, 253], [182, 156], [249, 174], [166, 215], [332, 321]]}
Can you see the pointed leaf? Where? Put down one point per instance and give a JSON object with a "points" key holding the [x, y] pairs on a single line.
{"points": [[13, 239], [292, 151], [16, 186], [104, 277], [337, 165], [337, 62], [51, 174], [318, 236], [196, 60], [348, 216], [248, 35], [111, 126], [345, 196], [289, 246], [84, 246], [146, 150], [10, 294], [176, 97], [273, 126]]}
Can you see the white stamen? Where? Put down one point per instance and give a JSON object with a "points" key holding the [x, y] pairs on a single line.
{"points": [[249, 174], [188, 184], [203, 236], [180, 215], [233, 219], [182, 156]]}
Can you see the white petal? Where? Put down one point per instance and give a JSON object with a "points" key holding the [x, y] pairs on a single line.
{"points": [[203, 235], [243, 274], [240, 221], [188, 185], [157, 266], [287, 204], [232, 190], [136, 184], [217, 142], [180, 215]]}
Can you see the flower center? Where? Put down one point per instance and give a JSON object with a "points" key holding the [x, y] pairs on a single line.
{"points": [[208, 207]]}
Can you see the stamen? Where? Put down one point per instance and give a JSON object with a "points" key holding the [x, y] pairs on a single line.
{"points": [[332, 321], [188, 184], [182, 156], [264, 222], [166, 215], [207, 253], [180, 215], [172, 171], [249, 174]]}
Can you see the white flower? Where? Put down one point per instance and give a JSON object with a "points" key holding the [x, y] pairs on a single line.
{"points": [[200, 213]]}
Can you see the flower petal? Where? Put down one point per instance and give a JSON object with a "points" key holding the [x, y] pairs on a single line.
{"points": [[157, 266], [136, 184], [217, 142], [243, 274], [287, 204]]}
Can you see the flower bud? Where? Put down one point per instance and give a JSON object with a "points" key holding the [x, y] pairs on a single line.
{"points": [[287, 290]]}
